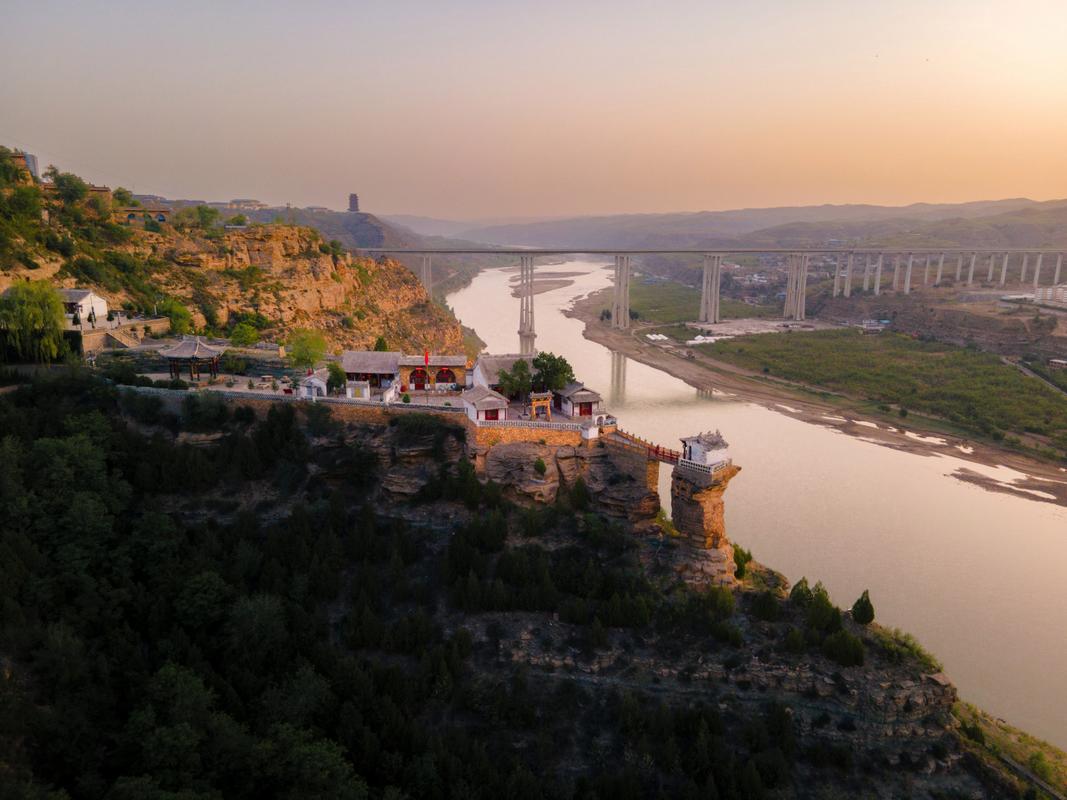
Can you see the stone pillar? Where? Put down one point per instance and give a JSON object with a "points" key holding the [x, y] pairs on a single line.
{"points": [[620, 309], [867, 273], [1004, 269], [706, 556], [940, 269], [1037, 270], [970, 270], [790, 286], [425, 273], [848, 274], [896, 272], [907, 274], [989, 278], [926, 271], [878, 275], [527, 333], [837, 276], [959, 267], [1026, 263], [709, 290], [1059, 265], [802, 286]]}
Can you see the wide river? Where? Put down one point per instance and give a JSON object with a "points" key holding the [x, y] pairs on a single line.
{"points": [[979, 577]]}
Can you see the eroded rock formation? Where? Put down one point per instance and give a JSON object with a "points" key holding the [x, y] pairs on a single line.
{"points": [[698, 512]]}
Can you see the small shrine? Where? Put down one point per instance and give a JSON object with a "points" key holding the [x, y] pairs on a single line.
{"points": [[541, 406], [191, 355]]}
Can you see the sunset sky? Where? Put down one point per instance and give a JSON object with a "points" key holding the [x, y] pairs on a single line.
{"points": [[470, 108]]}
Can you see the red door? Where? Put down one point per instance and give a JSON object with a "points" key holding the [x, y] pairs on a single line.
{"points": [[491, 414], [585, 409], [419, 379]]}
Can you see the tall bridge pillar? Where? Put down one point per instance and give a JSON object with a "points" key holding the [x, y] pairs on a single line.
{"points": [[709, 290], [907, 274], [1059, 265], [1026, 263], [1004, 269], [1037, 270], [425, 274], [959, 267], [940, 269], [926, 271], [867, 273], [878, 275], [837, 277], [620, 305], [992, 259], [896, 272], [796, 286], [848, 274], [527, 333], [970, 270]]}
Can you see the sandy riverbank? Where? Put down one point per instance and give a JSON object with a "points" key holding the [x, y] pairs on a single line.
{"points": [[1030, 478]]}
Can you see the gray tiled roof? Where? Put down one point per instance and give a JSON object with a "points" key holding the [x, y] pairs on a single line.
{"points": [[483, 398], [435, 361], [192, 347], [372, 361]]}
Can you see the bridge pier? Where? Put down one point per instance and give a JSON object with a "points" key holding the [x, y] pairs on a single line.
{"points": [[940, 269], [896, 272], [709, 290], [907, 274], [1004, 269], [959, 267], [1037, 270], [878, 275], [1059, 265], [425, 273], [527, 334], [848, 274], [796, 287], [1026, 263], [620, 306], [837, 277], [867, 273], [970, 270], [992, 259], [926, 271]]}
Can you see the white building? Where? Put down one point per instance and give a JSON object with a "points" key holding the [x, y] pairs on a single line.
{"points": [[575, 400], [85, 303], [708, 449], [1052, 295], [314, 384], [483, 404]]}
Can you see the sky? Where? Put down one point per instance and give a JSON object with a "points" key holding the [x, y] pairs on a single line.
{"points": [[469, 109]]}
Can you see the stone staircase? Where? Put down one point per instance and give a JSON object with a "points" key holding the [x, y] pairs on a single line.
{"points": [[117, 337]]}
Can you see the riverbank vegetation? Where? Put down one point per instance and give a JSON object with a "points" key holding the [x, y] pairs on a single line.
{"points": [[667, 302], [974, 391]]}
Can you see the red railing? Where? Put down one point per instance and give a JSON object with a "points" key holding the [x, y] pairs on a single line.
{"points": [[652, 450]]}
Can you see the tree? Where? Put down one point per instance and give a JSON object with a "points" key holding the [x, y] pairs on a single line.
{"points": [[206, 217], [31, 317], [539, 467], [801, 594], [551, 372], [518, 381], [69, 187], [306, 348], [337, 379], [237, 219], [124, 197], [181, 321], [380, 344], [863, 609], [244, 334]]}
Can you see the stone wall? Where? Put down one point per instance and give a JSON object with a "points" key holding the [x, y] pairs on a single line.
{"points": [[635, 464], [488, 437]]}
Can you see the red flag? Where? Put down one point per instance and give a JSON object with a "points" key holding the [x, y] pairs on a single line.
{"points": [[426, 357]]}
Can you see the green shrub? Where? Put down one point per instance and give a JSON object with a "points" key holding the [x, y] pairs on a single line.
{"points": [[843, 648], [800, 595], [539, 467], [741, 559], [863, 609], [765, 606]]}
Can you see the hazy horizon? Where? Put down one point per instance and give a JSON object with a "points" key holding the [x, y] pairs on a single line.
{"points": [[475, 109]]}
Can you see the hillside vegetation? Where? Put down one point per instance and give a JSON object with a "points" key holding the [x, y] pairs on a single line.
{"points": [[275, 278]]}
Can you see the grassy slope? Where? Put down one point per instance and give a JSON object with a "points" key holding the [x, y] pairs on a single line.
{"points": [[976, 391]]}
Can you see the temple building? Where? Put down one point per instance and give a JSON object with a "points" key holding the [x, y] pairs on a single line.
{"points": [[484, 405], [575, 400], [379, 369], [442, 372], [191, 355]]}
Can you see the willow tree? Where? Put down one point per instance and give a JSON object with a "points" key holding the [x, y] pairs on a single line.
{"points": [[32, 321]]}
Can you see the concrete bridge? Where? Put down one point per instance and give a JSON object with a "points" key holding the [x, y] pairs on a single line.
{"points": [[997, 263]]}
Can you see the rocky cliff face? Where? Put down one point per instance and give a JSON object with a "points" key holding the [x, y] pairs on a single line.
{"points": [[280, 272]]}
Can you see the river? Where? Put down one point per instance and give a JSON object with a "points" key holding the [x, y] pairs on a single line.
{"points": [[977, 576]]}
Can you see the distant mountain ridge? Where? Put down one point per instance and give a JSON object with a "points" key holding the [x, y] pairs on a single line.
{"points": [[731, 228]]}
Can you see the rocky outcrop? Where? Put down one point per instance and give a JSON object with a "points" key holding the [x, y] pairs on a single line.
{"points": [[512, 465], [698, 512], [280, 272]]}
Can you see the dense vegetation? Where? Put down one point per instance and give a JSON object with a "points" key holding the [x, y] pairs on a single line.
{"points": [[973, 390], [163, 639]]}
